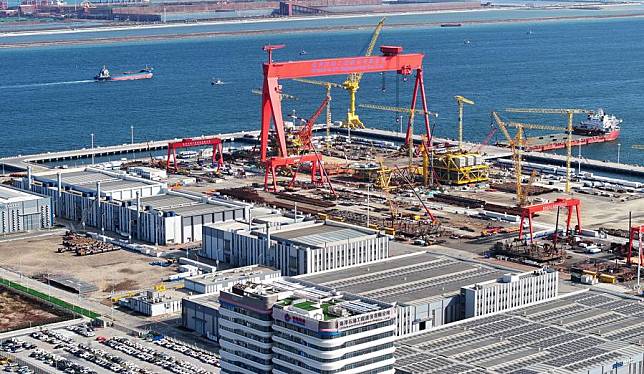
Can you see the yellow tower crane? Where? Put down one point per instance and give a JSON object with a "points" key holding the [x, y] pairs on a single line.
{"points": [[515, 145], [411, 113], [569, 112], [328, 86], [460, 101], [352, 83]]}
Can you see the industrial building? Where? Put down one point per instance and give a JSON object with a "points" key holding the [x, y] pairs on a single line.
{"points": [[131, 206], [432, 291], [23, 211], [292, 326], [211, 283], [200, 312], [510, 291], [583, 333], [152, 303], [295, 248]]}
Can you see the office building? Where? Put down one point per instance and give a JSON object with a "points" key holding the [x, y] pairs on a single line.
{"points": [[292, 326]]}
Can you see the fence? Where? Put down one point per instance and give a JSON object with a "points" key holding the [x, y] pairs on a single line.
{"points": [[49, 299]]}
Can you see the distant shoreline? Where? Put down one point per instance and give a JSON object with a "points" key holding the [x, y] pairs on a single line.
{"points": [[209, 34]]}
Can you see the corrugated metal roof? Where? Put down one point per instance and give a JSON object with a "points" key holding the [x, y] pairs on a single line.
{"points": [[319, 236]]}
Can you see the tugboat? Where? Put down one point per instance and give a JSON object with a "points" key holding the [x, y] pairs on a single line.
{"points": [[104, 75]]}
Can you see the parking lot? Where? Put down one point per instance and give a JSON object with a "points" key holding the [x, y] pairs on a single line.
{"points": [[82, 350]]}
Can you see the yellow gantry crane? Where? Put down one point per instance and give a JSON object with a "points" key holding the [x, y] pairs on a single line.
{"points": [[352, 83], [460, 101], [328, 86], [569, 112]]}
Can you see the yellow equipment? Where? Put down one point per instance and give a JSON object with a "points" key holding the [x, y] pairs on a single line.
{"points": [[460, 168], [383, 180], [515, 145], [460, 100], [569, 113], [328, 86], [352, 84], [408, 111]]}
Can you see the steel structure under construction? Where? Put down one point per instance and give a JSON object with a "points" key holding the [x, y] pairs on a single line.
{"points": [[459, 168]]}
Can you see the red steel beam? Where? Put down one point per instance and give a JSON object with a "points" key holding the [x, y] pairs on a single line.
{"points": [[217, 150], [633, 232], [391, 60]]}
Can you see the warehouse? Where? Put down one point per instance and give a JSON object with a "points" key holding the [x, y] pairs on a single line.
{"points": [[75, 199], [133, 207], [23, 211], [586, 332], [173, 217], [295, 248], [429, 290]]}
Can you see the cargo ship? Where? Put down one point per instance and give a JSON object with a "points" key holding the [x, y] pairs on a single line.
{"points": [[598, 127], [104, 75]]}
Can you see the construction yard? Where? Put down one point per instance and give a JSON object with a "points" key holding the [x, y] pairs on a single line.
{"points": [[115, 271]]}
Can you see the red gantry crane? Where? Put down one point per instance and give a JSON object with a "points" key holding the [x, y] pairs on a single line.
{"points": [[635, 233], [569, 204], [392, 59], [217, 151]]}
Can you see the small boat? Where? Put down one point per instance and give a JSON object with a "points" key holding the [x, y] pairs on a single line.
{"points": [[466, 41], [104, 75], [529, 32], [216, 82], [450, 24], [303, 52]]}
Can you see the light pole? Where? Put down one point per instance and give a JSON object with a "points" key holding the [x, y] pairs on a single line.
{"points": [[619, 146], [92, 135]]}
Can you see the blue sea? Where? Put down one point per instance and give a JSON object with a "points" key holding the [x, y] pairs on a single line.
{"points": [[49, 102]]}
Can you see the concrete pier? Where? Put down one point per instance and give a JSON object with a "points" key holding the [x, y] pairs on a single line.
{"points": [[489, 152]]}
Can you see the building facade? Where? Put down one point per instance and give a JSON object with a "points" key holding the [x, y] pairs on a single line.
{"points": [[299, 248], [295, 327], [509, 292], [131, 206], [23, 211]]}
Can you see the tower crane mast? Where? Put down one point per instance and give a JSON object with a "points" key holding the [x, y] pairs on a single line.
{"points": [[352, 83], [460, 101], [569, 113]]}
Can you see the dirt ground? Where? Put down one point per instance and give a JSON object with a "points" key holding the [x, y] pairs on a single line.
{"points": [[596, 211], [17, 311], [119, 271]]}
